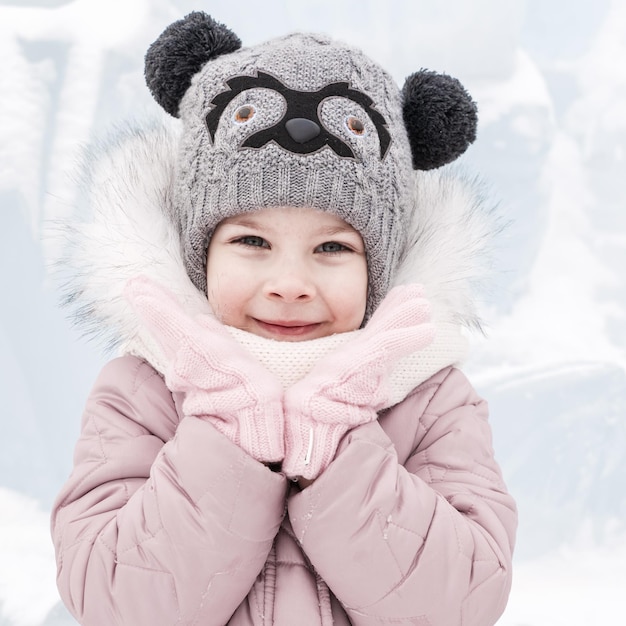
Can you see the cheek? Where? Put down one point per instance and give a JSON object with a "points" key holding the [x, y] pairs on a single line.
{"points": [[223, 287], [350, 296], [360, 299], [226, 298], [214, 293]]}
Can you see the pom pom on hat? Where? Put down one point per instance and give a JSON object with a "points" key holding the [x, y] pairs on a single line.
{"points": [[440, 118], [180, 52]]}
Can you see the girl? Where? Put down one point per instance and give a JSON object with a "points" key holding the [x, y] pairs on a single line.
{"points": [[286, 438]]}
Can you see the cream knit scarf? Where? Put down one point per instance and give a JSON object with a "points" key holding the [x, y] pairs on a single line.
{"points": [[290, 361]]}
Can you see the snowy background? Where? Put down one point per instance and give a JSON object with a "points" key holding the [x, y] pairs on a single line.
{"points": [[550, 81]]}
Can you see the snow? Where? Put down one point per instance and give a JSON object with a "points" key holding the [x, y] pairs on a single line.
{"points": [[27, 572], [550, 80], [575, 585]]}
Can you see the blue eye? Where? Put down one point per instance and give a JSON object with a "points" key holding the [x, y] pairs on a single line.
{"points": [[331, 247], [253, 241]]}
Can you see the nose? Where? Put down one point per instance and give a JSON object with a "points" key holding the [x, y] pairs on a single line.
{"points": [[290, 284], [302, 130]]}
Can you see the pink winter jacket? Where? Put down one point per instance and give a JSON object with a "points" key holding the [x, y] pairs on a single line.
{"points": [[164, 521]]}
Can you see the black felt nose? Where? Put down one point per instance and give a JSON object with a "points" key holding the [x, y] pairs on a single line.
{"points": [[302, 130]]}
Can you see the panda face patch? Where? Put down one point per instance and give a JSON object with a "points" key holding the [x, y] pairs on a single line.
{"points": [[301, 122]]}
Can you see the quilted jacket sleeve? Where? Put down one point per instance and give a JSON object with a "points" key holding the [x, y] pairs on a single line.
{"points": [[154, 525], [421, 530]]}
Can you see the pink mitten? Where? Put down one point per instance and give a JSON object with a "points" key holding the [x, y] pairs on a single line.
{"points": [[352, 384], [219, 379]]}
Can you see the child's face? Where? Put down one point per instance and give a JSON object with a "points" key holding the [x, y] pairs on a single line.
{"points": [[287, 273]]}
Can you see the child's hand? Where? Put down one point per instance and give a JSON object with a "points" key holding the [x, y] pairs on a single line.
{"points": [[352, 384], [220, 380]]}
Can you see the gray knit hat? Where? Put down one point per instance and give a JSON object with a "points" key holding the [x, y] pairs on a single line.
{"points": [[299, 121]]}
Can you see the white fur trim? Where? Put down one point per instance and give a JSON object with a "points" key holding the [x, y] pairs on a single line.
{"points": [[449, 243], [125, 231]]}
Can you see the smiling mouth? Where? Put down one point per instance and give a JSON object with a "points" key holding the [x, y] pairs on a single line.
{"points": [[288, 329]]}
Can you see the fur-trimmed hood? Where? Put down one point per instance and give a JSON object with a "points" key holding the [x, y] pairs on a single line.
{"points": [[122, 230]]}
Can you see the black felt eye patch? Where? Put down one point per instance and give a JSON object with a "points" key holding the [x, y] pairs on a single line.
{"points": [[296, 131]]}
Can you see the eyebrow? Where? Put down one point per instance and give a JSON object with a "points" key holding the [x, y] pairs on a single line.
{"points": [[248, 221], [336, 230]]}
